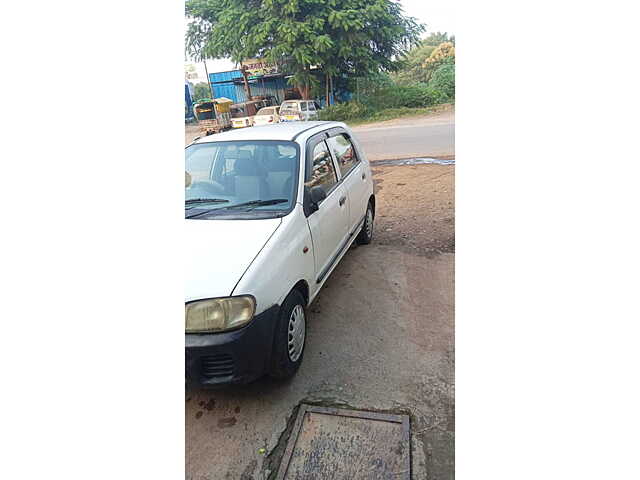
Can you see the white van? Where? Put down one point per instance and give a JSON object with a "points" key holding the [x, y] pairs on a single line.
{"points": [[299, 110]]}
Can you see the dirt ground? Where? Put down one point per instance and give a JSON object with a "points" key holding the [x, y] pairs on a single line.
{"points": [[416, 207], [191, 131], [380, 336]]}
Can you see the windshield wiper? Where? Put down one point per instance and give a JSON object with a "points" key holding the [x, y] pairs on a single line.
{"points": [[197, 201], [205, 200], [259, 203]]}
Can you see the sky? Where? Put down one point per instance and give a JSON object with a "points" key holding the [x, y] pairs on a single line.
{"points": [[438, 16]]}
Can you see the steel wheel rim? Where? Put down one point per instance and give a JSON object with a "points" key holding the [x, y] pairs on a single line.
{"points": [[296, 333], [369, 223]]}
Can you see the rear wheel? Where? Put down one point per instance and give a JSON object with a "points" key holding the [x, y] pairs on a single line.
{"points": [[366, 233], [290, 336]]}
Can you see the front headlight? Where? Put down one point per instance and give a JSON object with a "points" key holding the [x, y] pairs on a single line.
{"points": [[218, 314]]}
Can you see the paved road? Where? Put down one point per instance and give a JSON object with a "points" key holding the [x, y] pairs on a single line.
{"points": [[432, 135]]}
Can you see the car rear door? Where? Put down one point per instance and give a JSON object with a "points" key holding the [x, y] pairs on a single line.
{"points": [[353, 174], [329, 225]]}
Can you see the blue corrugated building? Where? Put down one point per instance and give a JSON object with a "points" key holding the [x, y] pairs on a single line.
{"points": [[231, 85]]}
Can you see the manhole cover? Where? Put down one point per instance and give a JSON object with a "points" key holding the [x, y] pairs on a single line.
{"points": [[334, 443]]}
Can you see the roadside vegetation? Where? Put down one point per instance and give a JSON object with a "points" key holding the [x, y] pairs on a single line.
{"points": [[424, 78]]}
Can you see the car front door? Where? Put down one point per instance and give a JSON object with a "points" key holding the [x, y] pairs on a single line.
{"points": [[329, 225], [353, 174], [312, 111]]}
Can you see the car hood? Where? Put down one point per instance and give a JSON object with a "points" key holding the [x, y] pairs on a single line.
{"points": [[220, 251]]}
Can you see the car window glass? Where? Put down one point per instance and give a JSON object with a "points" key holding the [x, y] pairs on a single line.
{"points": [[286, 150], [344, 152], [322, 171], [312, 107], [200, 163], [303, 106], [317, 105]]}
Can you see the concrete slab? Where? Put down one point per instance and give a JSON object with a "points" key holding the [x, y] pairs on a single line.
{"points": [[351, 444]]}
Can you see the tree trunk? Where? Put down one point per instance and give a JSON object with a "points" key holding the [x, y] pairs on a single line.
{"points": [[331, 86], [327, 89], [246, 83], [304, 91]]}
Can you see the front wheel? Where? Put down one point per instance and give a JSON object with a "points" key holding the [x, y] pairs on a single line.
{"points": [[366, 233], [290, 336]]}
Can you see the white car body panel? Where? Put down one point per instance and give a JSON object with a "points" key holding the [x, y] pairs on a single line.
{"points": [[281, 264], [265, 258], [220, 251]]}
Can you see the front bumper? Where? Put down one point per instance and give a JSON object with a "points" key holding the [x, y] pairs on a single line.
{"points": [[239, 356]]}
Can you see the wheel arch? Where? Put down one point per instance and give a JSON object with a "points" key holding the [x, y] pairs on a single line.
{"points": [[303, 287]]}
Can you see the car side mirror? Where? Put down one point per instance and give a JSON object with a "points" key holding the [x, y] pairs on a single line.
{"points": [[312, 197], [318, 194]]}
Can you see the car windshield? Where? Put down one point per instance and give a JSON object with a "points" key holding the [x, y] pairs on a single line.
{"points": [[253, 177], [266, 111], [290, 106]]}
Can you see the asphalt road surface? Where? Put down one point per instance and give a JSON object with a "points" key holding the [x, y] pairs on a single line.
{"points": [[432, 136]]}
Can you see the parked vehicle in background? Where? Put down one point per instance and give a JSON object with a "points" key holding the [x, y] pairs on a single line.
{"points": [[214, 116], [270, 212], [267, 115], [242, 114], [299, 110]]}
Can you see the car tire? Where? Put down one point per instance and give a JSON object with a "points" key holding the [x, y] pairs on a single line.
{"points": [[366, 232], [290, 336]]}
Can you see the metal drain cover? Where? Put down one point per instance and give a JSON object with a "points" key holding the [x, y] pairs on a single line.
{"points": [[334, 443]]}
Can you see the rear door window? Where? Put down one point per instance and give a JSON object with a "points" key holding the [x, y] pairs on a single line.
{"points": [[303, 106]]}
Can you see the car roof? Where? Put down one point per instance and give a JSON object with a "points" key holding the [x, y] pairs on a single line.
{"points": [[279, 131]]}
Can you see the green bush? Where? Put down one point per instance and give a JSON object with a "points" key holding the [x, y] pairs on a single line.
{"points": [[398, 96], [343, 111], [444, 80], [393, 100]]}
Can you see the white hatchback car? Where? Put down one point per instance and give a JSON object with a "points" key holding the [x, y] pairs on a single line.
{"points": [[270, 212], [267, 115]]}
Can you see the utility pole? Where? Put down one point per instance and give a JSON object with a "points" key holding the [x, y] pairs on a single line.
{"points": [[208, 79], [246, 82]]}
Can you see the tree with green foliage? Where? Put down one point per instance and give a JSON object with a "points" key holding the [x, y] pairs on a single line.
{"points": [[337, 36], [412, 70], [444, 54], [201, 91], [444, 80], [436, 38]]}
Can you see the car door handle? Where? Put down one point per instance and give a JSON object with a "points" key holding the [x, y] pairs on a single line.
{"points": [[342, 200], [364, 175]]}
